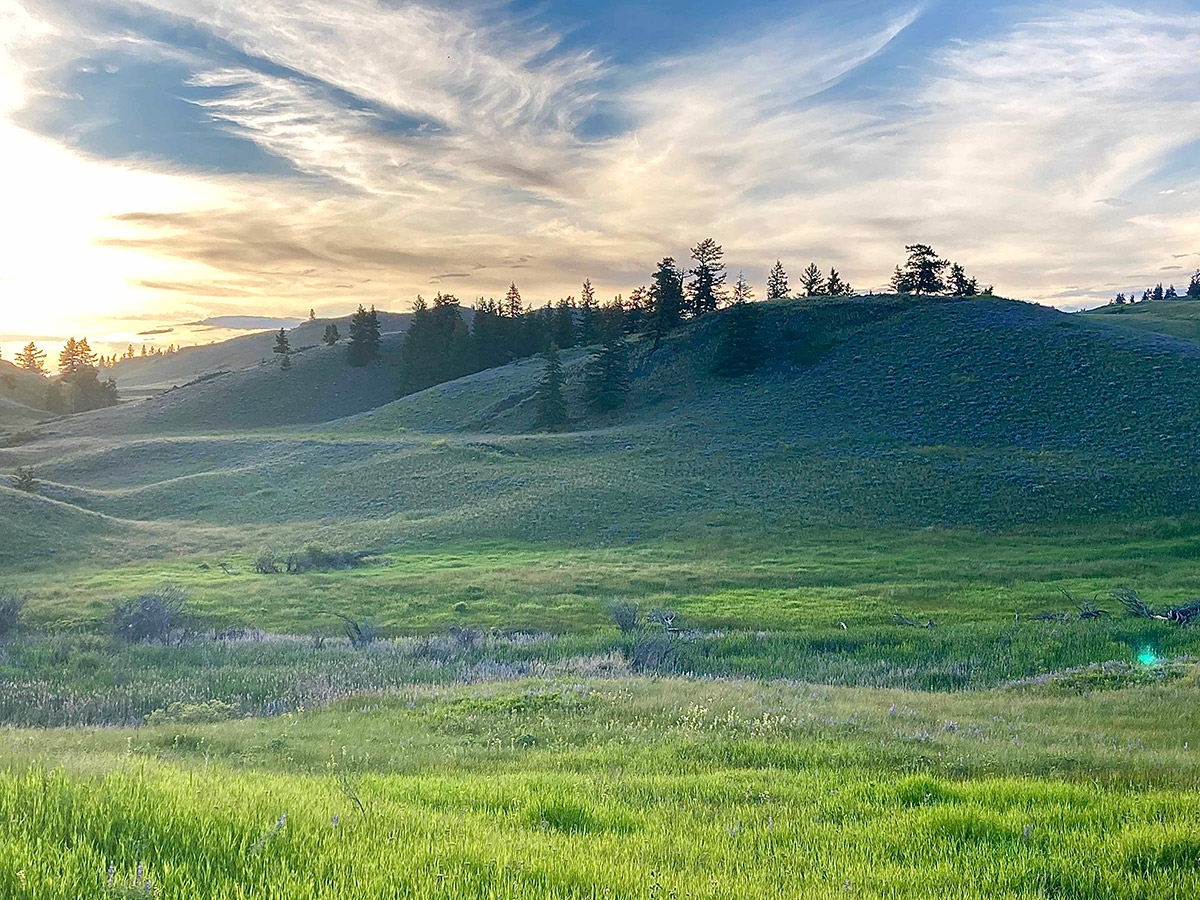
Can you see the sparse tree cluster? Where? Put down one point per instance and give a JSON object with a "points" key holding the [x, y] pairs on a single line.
{"points": [[1158, 292], [926, 274], [78, 387]]}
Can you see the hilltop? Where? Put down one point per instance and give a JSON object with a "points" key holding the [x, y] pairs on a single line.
{"points": [[22, 397], [1180, 318]]}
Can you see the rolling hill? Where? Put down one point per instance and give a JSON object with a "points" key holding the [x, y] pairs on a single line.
{"points": [[22, 397], [1180, 318], [882, 412]]}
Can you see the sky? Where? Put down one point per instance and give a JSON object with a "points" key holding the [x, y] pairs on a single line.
{"points": [[172, 160]]}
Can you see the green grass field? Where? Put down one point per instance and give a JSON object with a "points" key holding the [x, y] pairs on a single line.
{"points": [[975, 464]]}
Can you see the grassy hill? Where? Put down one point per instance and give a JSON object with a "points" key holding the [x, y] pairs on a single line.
{"points": [[1180, 318], [146, 375], [22, 397]]}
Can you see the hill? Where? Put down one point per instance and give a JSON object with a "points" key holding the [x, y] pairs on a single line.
{"points": [[144, 375], [22, 397], [1179, 318], [880, 412]]}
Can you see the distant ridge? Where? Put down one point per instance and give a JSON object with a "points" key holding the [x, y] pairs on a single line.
{"points": [[248, 322]]}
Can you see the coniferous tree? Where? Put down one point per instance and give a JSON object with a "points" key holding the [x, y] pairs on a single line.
{"points": [[834, 286], [740, 349], [812, 281], [922, 273], [437, 346], [312, 315], [68, 358], [332, 335], [777, 283], [636, 309], [587, 314], [606, 376], [564, 323], [1158, 292], [1146, 295], [283, 349], [551, 407], [1119, 300], [1171, 293], [363, 348], [666, 299], [707, 287], [512, 302], [1193, 291], [31, 359]]}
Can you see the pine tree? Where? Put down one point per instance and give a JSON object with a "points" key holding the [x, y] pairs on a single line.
{"points": [[835, 287], [1171, 293], [1119, 300], [363, 348], [922, 273], [777, 283], [564, 323], [68, 358], [812, 281], [740, 350], [549, 402], [959, 284], [1193, 291], [587, 315], [666, 299], [606, 376], [437, 346], [636, 309], [31, 359], [1158, 292], [512, 302], [284, 349], [708, 278], [332, 335], [312, 315], [84, 357]]}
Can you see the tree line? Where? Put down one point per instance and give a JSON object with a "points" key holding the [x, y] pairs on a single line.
{"points": [[78, 387], [1159, 293]]}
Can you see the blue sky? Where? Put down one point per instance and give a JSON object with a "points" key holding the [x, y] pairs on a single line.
{"points": [[184, 158]]}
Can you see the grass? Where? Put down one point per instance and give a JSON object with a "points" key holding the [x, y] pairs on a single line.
{"points": [[622, 788]]}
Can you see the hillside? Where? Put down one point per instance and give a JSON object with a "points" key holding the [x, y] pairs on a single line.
{"points": [[145, 375], [22, 397], [1179, 318], [881, 412]]}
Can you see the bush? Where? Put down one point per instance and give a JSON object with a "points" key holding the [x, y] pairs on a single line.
{"points": [[193, 713], [626, 616], [11, 606], [360, 634], [149, 617], [267, 563], [314, 557], [24, 480]]}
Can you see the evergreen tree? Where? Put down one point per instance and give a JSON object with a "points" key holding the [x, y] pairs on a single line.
{"points": [[437, 346], [68, 358], [1119, 300], [587, 315], [666, 299], [284, 349], [1193, 291], [550, 405], [31, 359], [1158, 292], [959, 284], [740, 350], [922, 273], [835, 287], [707, 288], [1171, 293], [332, 335], [636, 309], [1146, 295], [363, 348], [564, 323], [812, 281], [488, 345], [512, 302], [606, 376], [84, 357], [777, 283], [312, 315]]}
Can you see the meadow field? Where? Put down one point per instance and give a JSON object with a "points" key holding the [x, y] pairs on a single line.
{"points": [[847, 627]]}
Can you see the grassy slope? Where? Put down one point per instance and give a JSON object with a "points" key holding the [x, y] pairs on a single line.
{"points": [[22, 397], [1180, 318], [627, 788]]}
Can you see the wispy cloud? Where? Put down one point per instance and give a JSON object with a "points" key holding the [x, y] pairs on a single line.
{"points": [[422, 144]]}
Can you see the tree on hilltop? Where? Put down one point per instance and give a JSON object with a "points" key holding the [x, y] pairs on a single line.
{"points": [[836, 286], [1171, 293], [284, 349], [587, 315], [332, 335], [665, 299], [31, 359], [922, 273], [707, 287], [777, 283], [1158, 292], [812, 281], [512, 302], [1193, 291]]}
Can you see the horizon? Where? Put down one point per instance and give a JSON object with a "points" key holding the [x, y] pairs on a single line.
{"points": [[193, 158]]}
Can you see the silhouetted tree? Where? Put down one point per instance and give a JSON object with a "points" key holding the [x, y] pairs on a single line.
{"points": [[332, 335], [283, 349], [312, 315], [740, 349], [812, 281], [922, 273], [437, 346], [549, 403], [512, 302], [636, 309], [777, 283], [1158, 292], [1193, 291], [31, 359], [666, 299], [363, 348], [834, 286], [587, 315], [707, 287], [564, 323], [606, 376], [1119, 300], [1171, 293]]}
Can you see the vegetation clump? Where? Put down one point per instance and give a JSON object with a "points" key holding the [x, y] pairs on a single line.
{"points": [[23, 479], [153, 616], [11, 607]]}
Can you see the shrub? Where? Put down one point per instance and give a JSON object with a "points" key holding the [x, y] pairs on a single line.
{"points": [[24, 480], [11, 606], [314, 557], [193, 713], [626, 616], [148, 617], [267, 563], [360, 634]]}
